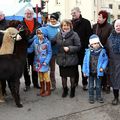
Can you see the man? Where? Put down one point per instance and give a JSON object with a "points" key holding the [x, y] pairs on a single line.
{"points": [[30, 25], [103, 29], [3, 25], [83, 27]]}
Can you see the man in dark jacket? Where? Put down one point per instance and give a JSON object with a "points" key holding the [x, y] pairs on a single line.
{"points": [[3, 25], [103, 29], [30, 25], [83, 27]]}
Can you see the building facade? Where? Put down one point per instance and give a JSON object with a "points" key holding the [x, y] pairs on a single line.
{"points": [[89, 8]]}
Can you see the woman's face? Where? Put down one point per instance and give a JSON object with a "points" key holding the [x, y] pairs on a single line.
{"points": [[117, 26], [53, 21], [65, 27], [100, 19]]}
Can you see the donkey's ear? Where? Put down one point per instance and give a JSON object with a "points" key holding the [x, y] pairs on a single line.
{"points": [[3, 31]]}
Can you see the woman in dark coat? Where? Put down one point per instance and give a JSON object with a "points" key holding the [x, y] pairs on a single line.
{"points": [[113, 46], [67, 58]]}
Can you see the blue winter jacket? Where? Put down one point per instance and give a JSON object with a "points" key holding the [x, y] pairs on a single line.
{"points": [[51, 32], [102, 62], [43, 54]]}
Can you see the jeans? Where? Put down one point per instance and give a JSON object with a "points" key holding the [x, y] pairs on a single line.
{"points": [[97, 81]]}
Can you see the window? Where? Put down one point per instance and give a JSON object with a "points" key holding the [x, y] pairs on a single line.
{"points": [[57, 2], [110, 6], [119, 7], [118, 16]]}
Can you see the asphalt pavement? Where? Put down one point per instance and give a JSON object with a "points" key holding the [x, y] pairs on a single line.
{"points": [[55, 107]]}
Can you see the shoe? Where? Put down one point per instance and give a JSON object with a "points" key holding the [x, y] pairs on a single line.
{"points": [[91, 100], [2, 100], [100, 100], [72, 93], [65, 92], [53, 88], [115, 101], [27, 88], [85, 88]]}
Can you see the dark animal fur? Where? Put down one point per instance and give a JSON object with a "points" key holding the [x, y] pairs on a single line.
{"points": [[12, 66]]}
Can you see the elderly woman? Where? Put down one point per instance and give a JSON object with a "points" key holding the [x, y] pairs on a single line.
{"points": [[113, 47], [30, 25]]}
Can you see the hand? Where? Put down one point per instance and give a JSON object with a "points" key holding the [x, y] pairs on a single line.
{"points": [[66, 49], [44, 64], [84, 75], [101, 70]]}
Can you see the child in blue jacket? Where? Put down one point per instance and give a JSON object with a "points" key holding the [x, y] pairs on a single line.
{"points": [[43, 53], [94, 64]]}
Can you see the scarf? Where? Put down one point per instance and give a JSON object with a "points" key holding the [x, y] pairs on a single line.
{"points": [[95, 52], [30, 24], [115, 39]]}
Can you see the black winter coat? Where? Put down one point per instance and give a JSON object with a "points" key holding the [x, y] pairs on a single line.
{"points": [[30, 36], [72, 41], [83, 27], [3, 25]]}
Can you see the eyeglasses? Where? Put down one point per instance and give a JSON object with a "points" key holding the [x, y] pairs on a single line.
{"points": [[29, 13]]}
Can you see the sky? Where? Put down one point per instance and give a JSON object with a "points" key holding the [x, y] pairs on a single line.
{"points": [[10, 7]]}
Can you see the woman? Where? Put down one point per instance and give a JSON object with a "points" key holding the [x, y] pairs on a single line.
{"points": [[52, 29], [113, 47], [67, 58]]}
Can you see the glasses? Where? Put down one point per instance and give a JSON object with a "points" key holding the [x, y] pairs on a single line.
{"points": [[29, 13]]}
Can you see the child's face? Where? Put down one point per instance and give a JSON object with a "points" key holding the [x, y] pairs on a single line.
{"points": [[40, 35], [95, 45]]}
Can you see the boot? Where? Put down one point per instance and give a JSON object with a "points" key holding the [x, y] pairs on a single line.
{"points": [[115, 101], [65, 92], [72, 93], [48, 91], [42, 90]]}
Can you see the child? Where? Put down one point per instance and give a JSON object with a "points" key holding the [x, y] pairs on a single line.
{"points": [[94, 64], [43, 53]]}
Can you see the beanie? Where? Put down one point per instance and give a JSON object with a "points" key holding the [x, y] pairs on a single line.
{"points": [[43, 31], [94, 39], [55, 16]]}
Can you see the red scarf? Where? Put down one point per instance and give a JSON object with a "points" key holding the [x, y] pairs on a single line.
{"points": [[30, 24]]}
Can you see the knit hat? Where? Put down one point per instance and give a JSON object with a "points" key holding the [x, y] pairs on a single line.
{"points": [[55, 16], [94, 39], [43, 31]]}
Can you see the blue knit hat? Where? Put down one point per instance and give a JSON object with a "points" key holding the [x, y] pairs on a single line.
{"points": [[94, 39], [43, 30]]}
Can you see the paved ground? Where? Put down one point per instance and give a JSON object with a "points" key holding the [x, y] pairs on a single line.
{"points": [[55, 107]]}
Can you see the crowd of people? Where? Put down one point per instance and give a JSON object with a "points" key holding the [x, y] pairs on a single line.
{"points": [[70, 43]]}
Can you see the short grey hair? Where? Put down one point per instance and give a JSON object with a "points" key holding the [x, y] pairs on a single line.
{"points": [[30, 9], [76, 9]]}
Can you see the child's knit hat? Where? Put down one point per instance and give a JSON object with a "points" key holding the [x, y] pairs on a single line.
{"points": [[43, 31], [94, 39]]}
